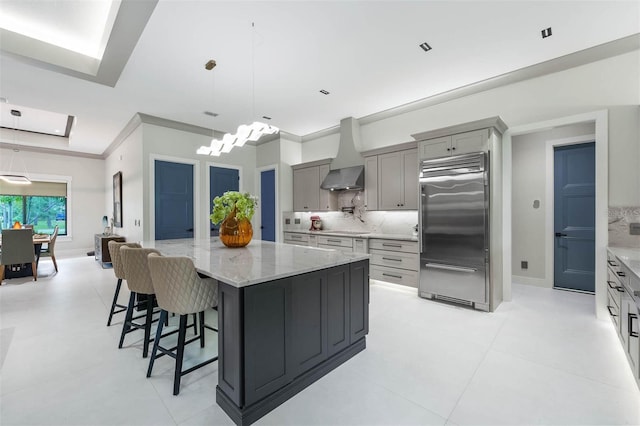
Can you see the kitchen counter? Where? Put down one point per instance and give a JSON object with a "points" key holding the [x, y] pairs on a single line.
{"points": [[356, 234], [630, 257], [259, 262], [287, 315]]}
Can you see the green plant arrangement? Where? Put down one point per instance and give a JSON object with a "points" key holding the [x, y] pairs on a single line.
{"points": [[224, 204]]}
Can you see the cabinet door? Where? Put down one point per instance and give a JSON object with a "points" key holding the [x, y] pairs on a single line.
{"points": [[267, 330], [309, 321], [464, 143], [435, 148], [371, 182], [326, 198], [410, 171], [358, 300], [306, 189], [390, 181], [338, 309]]}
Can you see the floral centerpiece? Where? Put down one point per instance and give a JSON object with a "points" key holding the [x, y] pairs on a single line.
{"points": [[233, 210]]}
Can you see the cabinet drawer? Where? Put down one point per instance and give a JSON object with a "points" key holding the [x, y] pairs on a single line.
{"points": [[341, 248], [395, 259], [394, 245], [292, 238], [394, 275], [614, 287], [335, 241], [614, 311]]}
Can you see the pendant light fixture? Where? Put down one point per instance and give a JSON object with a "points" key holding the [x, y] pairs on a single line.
{"points": [[246, 132], [10, 176]]}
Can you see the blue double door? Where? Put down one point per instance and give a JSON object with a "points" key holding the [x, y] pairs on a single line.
{"points": [[174, 198], [574, 217]]}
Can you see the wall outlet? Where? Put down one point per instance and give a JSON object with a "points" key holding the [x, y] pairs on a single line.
{"points": [[287, 221], [524, 264], [296, 221], [634, 228]]}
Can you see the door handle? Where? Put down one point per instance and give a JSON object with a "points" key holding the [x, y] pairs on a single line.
{"points": [[560, 234], [190, 230]]}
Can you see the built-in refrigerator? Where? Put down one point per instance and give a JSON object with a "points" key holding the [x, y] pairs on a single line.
{"points": [[454, 229]]}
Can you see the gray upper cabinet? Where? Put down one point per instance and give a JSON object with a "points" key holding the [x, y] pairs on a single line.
{"points": [[307, 195], [371, 182], [461, 143], [398, 180]]}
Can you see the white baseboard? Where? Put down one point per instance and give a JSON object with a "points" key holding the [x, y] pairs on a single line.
{"points": [[536, 282]]}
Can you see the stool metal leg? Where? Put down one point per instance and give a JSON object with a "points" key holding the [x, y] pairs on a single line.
{"points": [[126, 326], [114, 304], [180, 354], [202, 329], [147, 325], [156, 342]]}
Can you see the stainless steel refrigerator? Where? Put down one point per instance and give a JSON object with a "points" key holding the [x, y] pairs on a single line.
{"points": [[454, 229]]}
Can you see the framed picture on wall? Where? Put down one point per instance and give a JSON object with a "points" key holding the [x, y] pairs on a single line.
{"points": [[117, 200]]}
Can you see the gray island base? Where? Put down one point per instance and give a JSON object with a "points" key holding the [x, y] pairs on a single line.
{"points": [[287, 315]]}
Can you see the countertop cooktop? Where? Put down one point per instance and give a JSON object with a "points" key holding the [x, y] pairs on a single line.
{"points": [[362, 234]]}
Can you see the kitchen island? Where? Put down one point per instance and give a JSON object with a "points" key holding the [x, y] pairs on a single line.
{"points": [[287, 315]]}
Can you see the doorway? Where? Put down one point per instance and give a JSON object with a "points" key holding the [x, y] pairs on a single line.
{"points": [[173, 200], [221, 180], [268, 204], [574, 217]]}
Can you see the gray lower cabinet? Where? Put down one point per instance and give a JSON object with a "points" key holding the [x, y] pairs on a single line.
{"points": [[276, 338]]}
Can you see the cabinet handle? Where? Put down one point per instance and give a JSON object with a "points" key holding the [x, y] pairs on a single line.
{"points": [[390, 258], [384, 274], [611, 313], [615, 287], [453, 149], [391, 245], [448, 149], [621, 274], [631, 332], [611, 263]]}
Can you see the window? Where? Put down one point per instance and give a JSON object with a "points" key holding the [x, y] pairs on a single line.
{"points": [[41, 204]]}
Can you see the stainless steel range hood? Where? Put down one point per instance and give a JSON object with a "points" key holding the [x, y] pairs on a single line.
{"points": [[345, 178], [347, 168]]}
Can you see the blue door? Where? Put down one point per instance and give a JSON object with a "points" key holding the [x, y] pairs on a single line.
{"points": [[574, 217], [221, 180], [174, 200], [268, 204]]}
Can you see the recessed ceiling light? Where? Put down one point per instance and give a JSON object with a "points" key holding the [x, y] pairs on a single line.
{"points": [[211, 64], [212, 114], [266, 118], [16, 113], [324, 92], [425, 46], [546, 32]]}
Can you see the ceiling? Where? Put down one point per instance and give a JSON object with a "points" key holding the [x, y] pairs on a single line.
{"points": [[366, 54]]}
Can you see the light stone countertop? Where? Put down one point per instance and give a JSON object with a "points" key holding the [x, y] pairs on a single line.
{"points": [[259, 262], [356, 234], [630, 257]]}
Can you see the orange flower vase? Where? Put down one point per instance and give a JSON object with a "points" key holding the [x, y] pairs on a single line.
{"points": [[235, 232]]}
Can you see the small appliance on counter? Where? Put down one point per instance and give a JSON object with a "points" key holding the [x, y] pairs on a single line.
{"points": [[316, 223]]}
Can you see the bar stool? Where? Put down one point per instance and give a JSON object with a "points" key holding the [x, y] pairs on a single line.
{"points": [[136, 271], [118, 269], [180, 290]]}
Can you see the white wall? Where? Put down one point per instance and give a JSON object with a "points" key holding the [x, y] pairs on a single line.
{"points": [[321, 148], [529, 183], [87, 200]]}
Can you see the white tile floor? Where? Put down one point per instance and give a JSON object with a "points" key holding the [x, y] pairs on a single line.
{"points": [[541, 359]]}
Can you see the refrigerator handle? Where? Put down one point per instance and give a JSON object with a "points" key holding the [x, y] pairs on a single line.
{"points": [[420, 224], [450, 267]]}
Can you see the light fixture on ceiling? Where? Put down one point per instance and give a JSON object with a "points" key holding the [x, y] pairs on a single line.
{"points": [[246, 132], [10, 176], [546, 32], [425, 46]]}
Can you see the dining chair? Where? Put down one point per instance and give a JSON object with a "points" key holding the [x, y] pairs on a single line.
{"points": [[50, 250], [136, 271], [180, 290], [17, 248], [118, 269]]}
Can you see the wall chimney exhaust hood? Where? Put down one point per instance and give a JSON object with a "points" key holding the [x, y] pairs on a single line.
{"points": [[345, 178], [348, 166]]}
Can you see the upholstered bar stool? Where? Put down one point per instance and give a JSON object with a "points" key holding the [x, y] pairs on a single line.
{"points": [[118, 269], [180, 290], [136, 271]]}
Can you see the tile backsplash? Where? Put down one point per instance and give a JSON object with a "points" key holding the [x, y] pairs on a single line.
{"points": [[379, 222], [619, 220]]}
